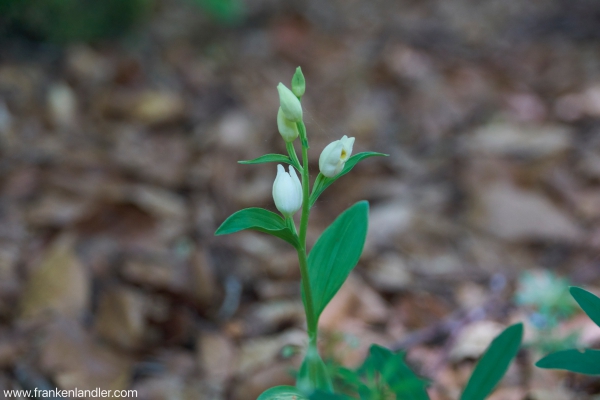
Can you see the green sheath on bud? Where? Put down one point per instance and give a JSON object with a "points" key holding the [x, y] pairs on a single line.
{"points": [[298, 83], [290, 105]]}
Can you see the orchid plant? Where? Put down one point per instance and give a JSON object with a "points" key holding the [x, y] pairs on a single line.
{"points": [[324, 269], [337, 251]]}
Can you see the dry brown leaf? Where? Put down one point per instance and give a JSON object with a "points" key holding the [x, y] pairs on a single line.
{"points": [[55, 209], [474, 339], [509, 393], [515, 214], [121, 317], [258, 353], [355, 299], [520, 139], [203, 285], [391, 273], [216, 356], [73, 359], [62, 105], [156, 107], [60, 284]]}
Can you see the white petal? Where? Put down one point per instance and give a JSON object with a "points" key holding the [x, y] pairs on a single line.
{"points": [[347, 143], [287, 191], [330, 158]]}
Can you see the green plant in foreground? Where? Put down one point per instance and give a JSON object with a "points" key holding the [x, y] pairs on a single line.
{"points": [[583, 362], [546, 296], [384, 374], [337, 251]]}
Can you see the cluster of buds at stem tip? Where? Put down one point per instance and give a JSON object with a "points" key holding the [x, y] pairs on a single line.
{"points": [[334, 156], [287, 191], [290, 109]]}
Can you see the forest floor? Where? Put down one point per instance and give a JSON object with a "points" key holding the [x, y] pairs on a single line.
{"points": [[119, 161]]}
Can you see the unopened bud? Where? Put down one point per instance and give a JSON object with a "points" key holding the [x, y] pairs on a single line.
{"points": [[290, 105], [298, 83], [287, 191], [287, 128]]}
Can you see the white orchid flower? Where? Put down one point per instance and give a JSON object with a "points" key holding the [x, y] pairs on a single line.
{"points": [[287, 191], [334, 156]]}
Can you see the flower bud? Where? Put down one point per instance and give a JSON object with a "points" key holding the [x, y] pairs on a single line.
{"points": [[334, 156], [287, 191], [289, 103], [298, 83], [287, 128]]}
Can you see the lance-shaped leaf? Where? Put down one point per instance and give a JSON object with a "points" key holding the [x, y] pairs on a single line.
{"points": [[586, 362], [267, 158], [589, 302], [493, 365], [336, 252], [282, 393], [322, 182], [260, 220], [277, 158]]}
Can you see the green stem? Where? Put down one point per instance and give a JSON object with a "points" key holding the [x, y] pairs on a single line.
{"points": [[293, 156], [311, 320], [313, 367], [305, 185], [311, 317]]}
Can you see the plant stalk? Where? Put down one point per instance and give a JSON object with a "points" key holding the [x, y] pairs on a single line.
{"points": [[311, 318], [305, 185], [313, 369]]}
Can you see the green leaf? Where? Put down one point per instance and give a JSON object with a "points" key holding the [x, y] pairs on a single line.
{"points": [[345, 380], [282, 393], [587, 362], [493, 365], [329, 396], [336, 252], [322, 182], [260, 220], [589, 302], [402, 381], [267, 158]]}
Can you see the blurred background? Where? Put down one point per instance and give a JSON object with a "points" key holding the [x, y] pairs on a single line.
{"points": [[121, 122]]}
